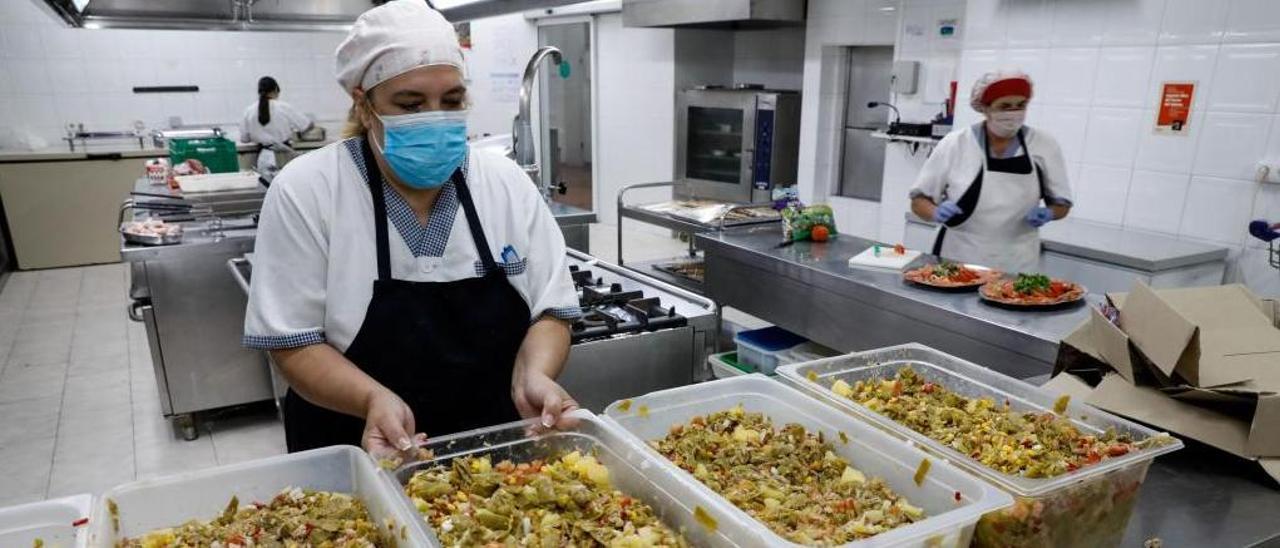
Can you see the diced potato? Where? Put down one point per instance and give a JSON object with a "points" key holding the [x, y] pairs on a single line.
{"points": [[851, 475], [842, 388], [745, 435]]}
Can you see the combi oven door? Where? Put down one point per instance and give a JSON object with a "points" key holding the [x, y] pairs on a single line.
{"points": [[715, 151]]}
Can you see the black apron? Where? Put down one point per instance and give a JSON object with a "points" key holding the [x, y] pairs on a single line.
{"points": [[968, 202], [446, 348]]}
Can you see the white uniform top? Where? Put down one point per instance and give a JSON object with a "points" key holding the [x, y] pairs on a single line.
{"points": [[316, 260], [958, 158], [285, 121]]}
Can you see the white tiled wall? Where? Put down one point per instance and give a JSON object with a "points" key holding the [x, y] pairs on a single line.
{"points": [[51, 75], [912, 27], [1098, 67]]}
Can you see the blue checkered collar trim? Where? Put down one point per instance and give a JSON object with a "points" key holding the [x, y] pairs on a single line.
{"points": [[424, 241]]}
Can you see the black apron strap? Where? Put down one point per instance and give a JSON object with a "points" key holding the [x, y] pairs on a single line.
{"points": [[373, 176], [473, 223]]}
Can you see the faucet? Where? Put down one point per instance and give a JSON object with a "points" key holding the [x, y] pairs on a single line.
{"points": [[522, 131]]}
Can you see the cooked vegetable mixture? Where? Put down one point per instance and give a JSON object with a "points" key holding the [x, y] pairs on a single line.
{"points": [[295, 517], [566, 502], [787, 478], [1034, 445]]}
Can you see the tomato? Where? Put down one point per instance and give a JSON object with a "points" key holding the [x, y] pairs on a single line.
{"points": [[1057, 288], [820, 233], [1117, 450], [899, 249]]}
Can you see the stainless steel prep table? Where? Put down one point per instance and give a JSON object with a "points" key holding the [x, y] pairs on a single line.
{"points": [[1106, 258], [809, 288], [1194, 497], [194, 316], [574, 224]]}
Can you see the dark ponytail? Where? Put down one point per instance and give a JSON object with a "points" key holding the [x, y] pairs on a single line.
{"points": [[266, 86]]}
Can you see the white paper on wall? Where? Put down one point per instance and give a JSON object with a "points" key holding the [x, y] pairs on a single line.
{"points": [[504, 87]]}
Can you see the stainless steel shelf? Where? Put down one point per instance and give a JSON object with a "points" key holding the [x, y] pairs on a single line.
{"points": [[649, 268]]}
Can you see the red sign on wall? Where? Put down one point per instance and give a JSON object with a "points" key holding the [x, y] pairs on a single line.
{"points": [[1174, 116]]}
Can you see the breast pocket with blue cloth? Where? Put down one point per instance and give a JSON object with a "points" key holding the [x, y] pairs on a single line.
{"points": [[512, 263]]}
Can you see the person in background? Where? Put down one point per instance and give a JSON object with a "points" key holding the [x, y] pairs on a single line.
{"points": [[404, 281], [271, 123], [993, 185]]}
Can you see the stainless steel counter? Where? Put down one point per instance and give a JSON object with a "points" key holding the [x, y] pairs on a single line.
{"points": [[1195, 497], [1112, 245], [574, 224], [1202, 497], [809, 288], [60, 153]]}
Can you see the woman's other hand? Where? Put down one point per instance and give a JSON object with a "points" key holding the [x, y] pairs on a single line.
{"points": [[388, 424], [537, 395]]}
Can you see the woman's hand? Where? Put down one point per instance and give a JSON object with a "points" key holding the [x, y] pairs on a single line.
{"points": [[388, 423], [535, 394]]}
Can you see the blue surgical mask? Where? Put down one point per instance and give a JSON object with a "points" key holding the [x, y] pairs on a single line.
{"points": [[424, 148]]}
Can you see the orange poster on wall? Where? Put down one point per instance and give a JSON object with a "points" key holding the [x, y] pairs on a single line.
{"points": [[1174, 116]]}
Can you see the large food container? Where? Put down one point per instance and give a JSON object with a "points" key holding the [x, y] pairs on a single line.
{"points": [[147, 505], [58, 523], [874, 452], [631, 470], [1087, 507]]}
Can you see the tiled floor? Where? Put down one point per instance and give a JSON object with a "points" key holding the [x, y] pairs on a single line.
{"points": [[79, 410]]}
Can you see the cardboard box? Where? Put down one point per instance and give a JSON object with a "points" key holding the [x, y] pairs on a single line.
{"points": [[1203, 363]]}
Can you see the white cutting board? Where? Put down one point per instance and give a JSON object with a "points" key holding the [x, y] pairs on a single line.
{"points": [[216, 182], [887, 260]]}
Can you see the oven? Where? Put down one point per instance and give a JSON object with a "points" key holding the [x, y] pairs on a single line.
{"points": [[736, 145]]}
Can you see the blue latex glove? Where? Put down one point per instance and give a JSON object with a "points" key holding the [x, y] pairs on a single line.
{"points": [[945, 211], [1039, 216]]}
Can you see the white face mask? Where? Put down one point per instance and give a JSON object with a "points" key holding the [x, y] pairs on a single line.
{"points": [[1006, 123]]}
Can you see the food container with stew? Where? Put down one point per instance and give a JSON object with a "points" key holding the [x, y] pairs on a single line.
{"points": [[61, 522], [952, 500], [633, 472], [1085, 506], [134, 509]]}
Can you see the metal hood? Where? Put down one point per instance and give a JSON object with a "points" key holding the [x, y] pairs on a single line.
{"points": [[713, 13], [273, 15]]}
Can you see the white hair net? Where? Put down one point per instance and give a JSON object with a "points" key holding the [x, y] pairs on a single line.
{"points": [[392, 39], [985, 82]]}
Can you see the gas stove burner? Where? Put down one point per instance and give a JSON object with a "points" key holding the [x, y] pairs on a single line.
{"points": [[592, 295], [610, 309], [650, 308], [583, 278]]}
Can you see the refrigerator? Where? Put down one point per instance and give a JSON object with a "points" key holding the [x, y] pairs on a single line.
{"points": [[862, 159]]}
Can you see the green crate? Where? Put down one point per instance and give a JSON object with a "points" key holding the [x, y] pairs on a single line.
{"points": [[217, 153]]}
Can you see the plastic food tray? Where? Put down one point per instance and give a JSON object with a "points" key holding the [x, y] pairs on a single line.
{"points": [[145, 506], [631, 470], [1086, 507], [768, 348], [874, 452], [51, 521], [725, 365]]}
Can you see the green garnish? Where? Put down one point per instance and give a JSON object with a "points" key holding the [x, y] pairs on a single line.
{"points": [[946, 269], [1030, 283]]}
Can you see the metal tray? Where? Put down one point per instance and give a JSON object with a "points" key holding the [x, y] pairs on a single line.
{"points": [[151, 239], [631, 470]]}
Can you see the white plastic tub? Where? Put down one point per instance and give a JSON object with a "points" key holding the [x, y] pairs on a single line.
{"points": [[1087, 507], [145, 506], [631, 470], [874, 452], [51, 521]]}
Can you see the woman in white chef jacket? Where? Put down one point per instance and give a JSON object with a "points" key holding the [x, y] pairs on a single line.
{"points": [[993, 185], [404, 282], [271, 123]]}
